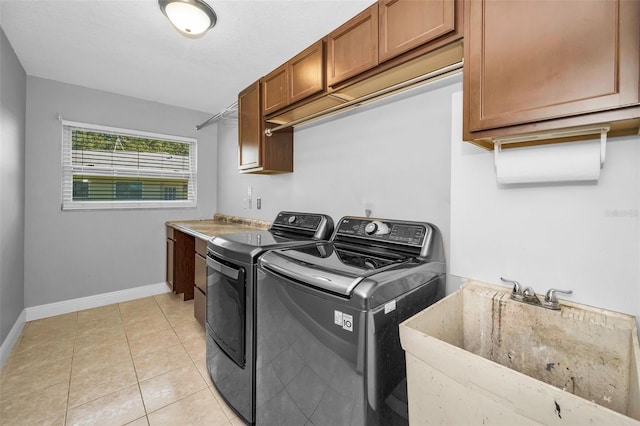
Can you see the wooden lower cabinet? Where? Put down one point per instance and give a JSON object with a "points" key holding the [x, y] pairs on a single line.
{"points": [[170, 273], [187, 269], [184, 276], [200, 281], [180, 271], [200, 306]]}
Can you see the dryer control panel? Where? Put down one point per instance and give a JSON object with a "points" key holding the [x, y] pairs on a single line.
{"points": [[318, 226]]}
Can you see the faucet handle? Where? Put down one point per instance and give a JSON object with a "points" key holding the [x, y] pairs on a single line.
{"points": [[516, 293], [550, 299]]}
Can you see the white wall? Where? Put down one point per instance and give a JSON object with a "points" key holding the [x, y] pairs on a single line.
{"points": [[12, 133], [70, 255], [392, 157], [582, 237]]}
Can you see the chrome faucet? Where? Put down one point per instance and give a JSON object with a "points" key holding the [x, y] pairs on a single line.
{"points": [[528, 295]]}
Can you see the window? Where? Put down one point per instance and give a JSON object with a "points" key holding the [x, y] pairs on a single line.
{"points": [[80, 189], [128, 190], [109, 168]]}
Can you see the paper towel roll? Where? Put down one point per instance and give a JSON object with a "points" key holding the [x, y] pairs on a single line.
{"points": [[563, 162]]}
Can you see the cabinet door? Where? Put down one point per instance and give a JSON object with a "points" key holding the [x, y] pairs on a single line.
{"points": [[528, 61], [170, 263], [183, 260], [306, 72], [256, 152], [274, 89], [353, 47], [405, 24], [200, 275], [200, 306], [249, 127], [201, 247]]}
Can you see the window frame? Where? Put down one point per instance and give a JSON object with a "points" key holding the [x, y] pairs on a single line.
{"points": [[69, 169]]}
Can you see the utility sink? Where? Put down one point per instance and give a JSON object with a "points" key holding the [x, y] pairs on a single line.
{"points": [[479, 357]]}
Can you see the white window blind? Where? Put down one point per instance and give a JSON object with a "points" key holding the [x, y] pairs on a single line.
{"points": [[110, 168]]}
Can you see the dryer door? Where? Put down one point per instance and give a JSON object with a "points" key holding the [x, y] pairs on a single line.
{"points": [[226, 302]]}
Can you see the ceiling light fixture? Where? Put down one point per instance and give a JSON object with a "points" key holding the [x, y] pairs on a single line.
{"points": [[191, 17]]}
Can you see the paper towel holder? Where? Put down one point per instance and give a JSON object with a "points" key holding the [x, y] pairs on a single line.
{"points": [[602, 129]]}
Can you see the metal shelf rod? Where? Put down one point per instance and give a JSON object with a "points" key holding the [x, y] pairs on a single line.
{"points": [[388, 90], [216, 117]]}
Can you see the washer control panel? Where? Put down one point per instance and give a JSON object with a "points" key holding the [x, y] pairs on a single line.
{"points": [[401, 232]]}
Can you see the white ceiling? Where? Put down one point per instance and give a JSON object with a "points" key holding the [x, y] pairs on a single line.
{"points": [[130, 48]]}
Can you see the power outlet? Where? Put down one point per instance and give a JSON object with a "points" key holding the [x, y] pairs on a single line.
{"points": [[258, 203]]}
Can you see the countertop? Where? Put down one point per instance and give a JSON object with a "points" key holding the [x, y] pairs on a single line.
{"points": [[220, 224]]}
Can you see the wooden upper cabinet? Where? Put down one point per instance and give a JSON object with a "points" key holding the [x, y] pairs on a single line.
{"points": [[529, 61], [274, 89], [306, 72], [258, 153], [406, 24], [353, 47], [299, 78], [249, 127]]}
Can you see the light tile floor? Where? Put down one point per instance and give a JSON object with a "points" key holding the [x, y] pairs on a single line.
{"points": [[140, 362]]}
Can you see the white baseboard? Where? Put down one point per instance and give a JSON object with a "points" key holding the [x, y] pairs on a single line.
{"points": [[58, 308], [73, 305], [12, 337]]}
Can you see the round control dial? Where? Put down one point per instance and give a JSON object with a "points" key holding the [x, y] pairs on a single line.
{"points": [[376, 227], [291, 220]]}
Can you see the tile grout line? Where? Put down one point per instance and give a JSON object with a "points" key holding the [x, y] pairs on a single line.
{"points": [[135, 370], [188, 354], [73, 354], [190, 358], [114, 391]]}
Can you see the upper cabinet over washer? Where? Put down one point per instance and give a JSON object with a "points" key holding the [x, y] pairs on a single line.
{"points": [[300, 77], [353, 47], [364, 51], [275, 89], [543, 65], [389, 47], [306, 72], [406, 24]]}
